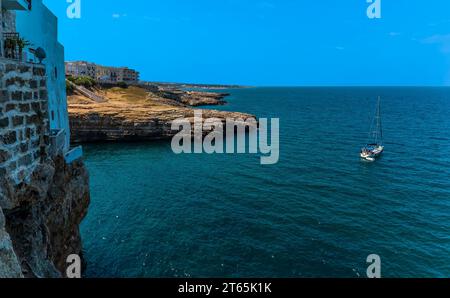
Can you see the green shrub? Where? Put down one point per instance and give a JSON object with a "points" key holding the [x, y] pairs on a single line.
{"points": [[69, 88], [86, 82]]}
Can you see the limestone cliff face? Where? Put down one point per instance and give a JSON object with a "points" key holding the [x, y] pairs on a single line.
{"points": [[135, 114], [39, 223], [98, 125]]}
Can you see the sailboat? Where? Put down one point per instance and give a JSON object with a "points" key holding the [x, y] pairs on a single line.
{"points": [[374, 147]]}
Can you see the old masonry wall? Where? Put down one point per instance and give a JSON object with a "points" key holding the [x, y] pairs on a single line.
{"points": [[23, 118]]}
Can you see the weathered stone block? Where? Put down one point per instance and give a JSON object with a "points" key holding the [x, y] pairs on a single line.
{"points": [[4, 122], [15, 81], [16, 95], [9, 138], [10, 67], [32, 120], [43, 94], [24, 68], [27, 96], [3, 96], [26, 160], [12, 166], [35, 143], [23, 147], [17, 120], [24, 107], [10, 107], [44, 106], [35, 106], [4, 155], [33, 84], [39, 130]]}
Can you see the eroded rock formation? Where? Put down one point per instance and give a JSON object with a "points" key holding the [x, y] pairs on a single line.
{"points": [[39, 219], [132, 114], [195, 98], [9, 264]]}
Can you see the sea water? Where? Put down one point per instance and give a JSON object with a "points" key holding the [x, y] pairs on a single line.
{"points": [[319, 212]]}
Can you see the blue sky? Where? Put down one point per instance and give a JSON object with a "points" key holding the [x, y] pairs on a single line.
{"points": [[264, 42]]}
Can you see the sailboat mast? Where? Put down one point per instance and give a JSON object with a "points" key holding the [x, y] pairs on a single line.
{"points": [[380, 126], [376, 129]]}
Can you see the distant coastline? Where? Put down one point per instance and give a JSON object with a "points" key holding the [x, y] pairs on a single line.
{"points": [[195, 86]]}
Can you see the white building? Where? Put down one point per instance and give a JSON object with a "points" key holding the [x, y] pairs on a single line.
{"points": [[102, 74], [40, 26], [81, 69]]}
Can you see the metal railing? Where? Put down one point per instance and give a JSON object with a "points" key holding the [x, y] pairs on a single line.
{"points": [[89, 94], [10, 48], [14, 47]]}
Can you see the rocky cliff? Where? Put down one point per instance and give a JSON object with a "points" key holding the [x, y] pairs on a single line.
{"points": [[39, 219], [9, 264], [132, 114], [195, 98]]}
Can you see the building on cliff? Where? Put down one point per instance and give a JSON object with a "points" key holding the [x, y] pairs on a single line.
{"points": [[40, 27], [102, 74], [32, 24], [44, 187]]}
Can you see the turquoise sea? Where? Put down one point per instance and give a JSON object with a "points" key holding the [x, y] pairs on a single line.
{"points": [[319, 212]]}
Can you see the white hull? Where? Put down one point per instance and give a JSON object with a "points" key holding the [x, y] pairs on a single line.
{"points": [[371, 155]]}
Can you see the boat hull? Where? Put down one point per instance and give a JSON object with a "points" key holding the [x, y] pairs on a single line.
{"points": [[371, 155]]}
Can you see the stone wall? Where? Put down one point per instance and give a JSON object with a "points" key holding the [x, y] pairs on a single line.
{"points": [[23, 118]]}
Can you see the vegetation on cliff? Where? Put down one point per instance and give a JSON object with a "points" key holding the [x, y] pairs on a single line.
{"points": [[84, 81]]}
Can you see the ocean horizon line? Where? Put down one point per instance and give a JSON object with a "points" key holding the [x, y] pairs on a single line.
{"points": [[316, 86], [345, 86]]}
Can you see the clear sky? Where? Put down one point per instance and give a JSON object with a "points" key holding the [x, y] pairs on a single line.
{"points": [[264, 42]]}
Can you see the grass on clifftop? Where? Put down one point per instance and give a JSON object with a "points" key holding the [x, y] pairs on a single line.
{"points": [[131, 94]]}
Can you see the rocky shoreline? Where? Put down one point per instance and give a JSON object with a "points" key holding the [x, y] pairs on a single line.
{"points": [[136, 114], [195, 98]]}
